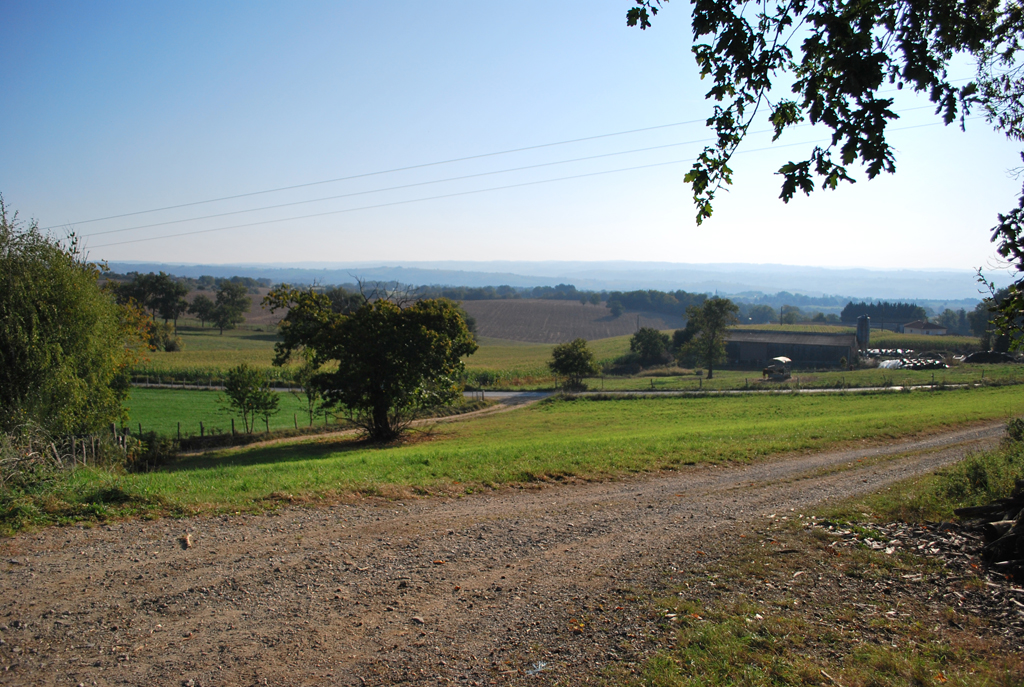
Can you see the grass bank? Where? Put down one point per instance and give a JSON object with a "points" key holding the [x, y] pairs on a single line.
{"points": [[586, 439]]}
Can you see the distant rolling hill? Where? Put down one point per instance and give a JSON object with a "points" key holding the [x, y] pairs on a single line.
{"points": [[547, 321]]}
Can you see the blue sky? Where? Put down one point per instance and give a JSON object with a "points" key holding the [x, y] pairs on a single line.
{"points": [[115, 108]]}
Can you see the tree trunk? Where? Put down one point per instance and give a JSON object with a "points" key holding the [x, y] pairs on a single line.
{"points": [[381, 429]]}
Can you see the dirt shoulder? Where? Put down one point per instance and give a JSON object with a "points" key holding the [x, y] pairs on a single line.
{"points": [[510, 587]]}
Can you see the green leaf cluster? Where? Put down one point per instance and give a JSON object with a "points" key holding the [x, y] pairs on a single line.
{"points": [[248, 391], [65, 345], [837, 57], [651, 346], [573, 360]]}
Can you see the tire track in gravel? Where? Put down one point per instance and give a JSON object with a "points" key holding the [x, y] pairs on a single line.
{"points": [[480, 589]]}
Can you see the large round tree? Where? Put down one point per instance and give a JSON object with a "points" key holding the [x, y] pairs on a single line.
{"points": [[380, 362]]}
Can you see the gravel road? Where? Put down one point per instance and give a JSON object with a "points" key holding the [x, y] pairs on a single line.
{"points": [[520, 586]]}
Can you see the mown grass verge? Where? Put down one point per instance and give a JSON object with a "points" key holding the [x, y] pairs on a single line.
{"points": [[789, 608], [978, 479], [553, 440]]}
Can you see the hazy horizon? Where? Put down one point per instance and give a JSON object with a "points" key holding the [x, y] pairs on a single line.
{"points": [[734, 278]]}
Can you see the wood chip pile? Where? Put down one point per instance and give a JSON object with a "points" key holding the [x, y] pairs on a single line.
{"points": [[966, 583]]}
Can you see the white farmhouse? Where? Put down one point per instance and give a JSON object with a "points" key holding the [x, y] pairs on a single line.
{"points": [[922, 327]]}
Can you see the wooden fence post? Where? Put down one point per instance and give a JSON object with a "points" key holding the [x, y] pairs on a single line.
{"points": [[232, 426], [295, 418], [202, 431], [179, 431]]}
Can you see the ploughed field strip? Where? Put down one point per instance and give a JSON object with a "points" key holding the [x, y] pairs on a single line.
{"points": [[497, 588]]}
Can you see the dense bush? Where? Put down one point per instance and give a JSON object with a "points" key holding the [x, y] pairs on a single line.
{"points": [[985, 476], [65, 345]]}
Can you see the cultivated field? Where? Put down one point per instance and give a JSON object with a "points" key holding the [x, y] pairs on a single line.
{"points": [[208, 354], [548, 321], [922, 343], [811, 328]]}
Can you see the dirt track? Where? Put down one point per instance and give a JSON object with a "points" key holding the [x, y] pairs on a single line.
{"points": [[519, 586]]}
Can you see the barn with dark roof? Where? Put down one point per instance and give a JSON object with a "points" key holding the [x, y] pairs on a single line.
{"points": [[806, 349]]}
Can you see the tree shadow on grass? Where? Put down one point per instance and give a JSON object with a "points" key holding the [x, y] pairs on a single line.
{"points": [[282, 453], [291, 452]]}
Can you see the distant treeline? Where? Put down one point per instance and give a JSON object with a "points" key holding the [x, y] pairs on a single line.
{"points": [[883, 311], [561, 292], [777, 300], [665, 302], [203, 283]]}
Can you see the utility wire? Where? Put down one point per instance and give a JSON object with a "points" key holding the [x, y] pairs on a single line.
{"points": [[404, 186], [397, 202], [383, 171], [422, 183], [461, 193]]}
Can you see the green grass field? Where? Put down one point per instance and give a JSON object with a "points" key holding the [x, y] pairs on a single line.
{"points": [[556, 439], [160, 411]]}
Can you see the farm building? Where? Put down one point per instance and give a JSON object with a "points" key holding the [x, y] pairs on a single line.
{"points": [[805, 349], [922, 327]]}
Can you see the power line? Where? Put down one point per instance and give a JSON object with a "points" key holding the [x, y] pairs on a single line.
{"points": [[462, 193], [397, 202], [403, 186], [421, 183], [383, 171]]}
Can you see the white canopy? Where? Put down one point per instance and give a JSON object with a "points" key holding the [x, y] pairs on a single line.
{"points": [[783, 359]]}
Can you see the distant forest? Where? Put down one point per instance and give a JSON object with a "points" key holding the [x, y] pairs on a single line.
{"points": [[200, 283], [883, 311]]}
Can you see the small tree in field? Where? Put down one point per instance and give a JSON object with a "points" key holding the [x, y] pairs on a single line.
{"points": [[248, 391], [231, 305], [711, 320], [310, 392], [574, 361], [202, 307], [651, 346]]}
